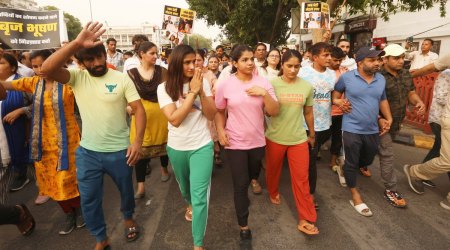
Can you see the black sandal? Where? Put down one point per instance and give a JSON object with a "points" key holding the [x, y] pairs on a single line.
{"points": [[26, 223], [129, 231]]}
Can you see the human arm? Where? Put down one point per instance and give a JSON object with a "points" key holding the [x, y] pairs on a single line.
{"points": [[441, 88], [53, 67], [386, 112], [424, 70], [5, 85], [309, 119], [208, 106], [336, 96], [271, 105], [220, 121], [177, 115], [415, 100], [134, 152]]}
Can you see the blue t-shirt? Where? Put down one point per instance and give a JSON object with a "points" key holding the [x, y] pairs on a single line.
{"points": [[365, 100], [323, 84]]}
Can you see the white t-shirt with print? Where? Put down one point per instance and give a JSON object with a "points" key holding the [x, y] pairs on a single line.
{"points": [[193, 132], [323, 84]]}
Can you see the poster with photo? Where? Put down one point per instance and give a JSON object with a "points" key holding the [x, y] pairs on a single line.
{"points": [[178, 20], [315, 15]]}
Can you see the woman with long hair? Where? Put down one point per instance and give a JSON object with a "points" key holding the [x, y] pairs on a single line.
{"points": [[186, 101], [147, 77], [54, 138], [271, 66], [244, 97], [286, 135], [14, 110]]}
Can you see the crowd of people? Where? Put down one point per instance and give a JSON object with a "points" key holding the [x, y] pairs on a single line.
{"points": [[77, 117]]}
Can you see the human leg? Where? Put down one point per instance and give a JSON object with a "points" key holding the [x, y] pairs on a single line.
{"points": [[274, 162], [90, 185], [200, 165]]}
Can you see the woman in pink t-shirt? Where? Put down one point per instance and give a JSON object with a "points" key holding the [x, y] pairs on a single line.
{"points": [[245, 97]]}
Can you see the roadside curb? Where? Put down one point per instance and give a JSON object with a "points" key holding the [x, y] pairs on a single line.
{"points": [[418, 141]]}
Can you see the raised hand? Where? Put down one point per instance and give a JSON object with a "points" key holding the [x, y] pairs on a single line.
{"points": [[89, 36]]}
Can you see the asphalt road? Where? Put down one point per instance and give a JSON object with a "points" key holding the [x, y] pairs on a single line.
{"points": [[422, 225]]}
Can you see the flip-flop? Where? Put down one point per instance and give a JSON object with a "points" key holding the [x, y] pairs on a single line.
{"points": [[308, 231], [360, 209], [132, 230], [26, 224], [276, 200]]}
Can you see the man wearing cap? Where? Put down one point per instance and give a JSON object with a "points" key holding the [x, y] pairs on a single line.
{"points": [[365, 98], [435, 167], [400, 90]]}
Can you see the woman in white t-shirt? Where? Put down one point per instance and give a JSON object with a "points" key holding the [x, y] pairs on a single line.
{"points": [[271, 66], [186, 101]]}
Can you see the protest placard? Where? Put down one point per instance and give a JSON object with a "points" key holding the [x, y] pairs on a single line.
{"points": [[26, 30], [315, 15], [178, 20]]}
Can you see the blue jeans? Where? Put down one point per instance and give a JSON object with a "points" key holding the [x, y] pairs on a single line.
{"points": [[91, 166]]}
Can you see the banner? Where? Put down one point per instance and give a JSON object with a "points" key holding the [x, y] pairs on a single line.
{"points": [[27, 30], [178, 20], [315, 15]]}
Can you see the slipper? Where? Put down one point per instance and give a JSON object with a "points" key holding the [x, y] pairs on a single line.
{"points": [[365, 171], [340, 173], [276, 200], [129, 231], [360, 209], [188, 214], [308, 229]]}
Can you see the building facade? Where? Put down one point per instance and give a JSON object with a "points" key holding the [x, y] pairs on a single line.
{"points": [[124, 34], [371, 30]]}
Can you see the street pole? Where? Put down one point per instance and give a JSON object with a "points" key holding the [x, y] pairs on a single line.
{"points": [[90, 8]]}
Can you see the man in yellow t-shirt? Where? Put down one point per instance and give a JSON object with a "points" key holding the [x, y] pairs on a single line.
{"points": [[102, 95]]}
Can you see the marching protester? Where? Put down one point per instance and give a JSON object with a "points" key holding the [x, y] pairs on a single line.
{"points": [[260, 54], [245, 97], [147, 77], [15, 116], [322, 80], [285, 134], [400, 91], [337, 56], [213, 65], [365, 98], [102, 96], [271, 66], [439, 165], [113, 57], [186, 101], [348, 62], [134, 61], [54, 138]]}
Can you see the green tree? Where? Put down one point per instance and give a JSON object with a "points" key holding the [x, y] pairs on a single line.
{"points": [[198, 41], [73, 24], [252, 21]]}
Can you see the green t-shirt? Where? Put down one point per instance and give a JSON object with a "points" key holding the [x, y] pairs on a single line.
{"points": [[287, 127], [102, 102]]}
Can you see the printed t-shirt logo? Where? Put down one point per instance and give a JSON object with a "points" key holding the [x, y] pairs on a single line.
{"points": [[110, 87]]}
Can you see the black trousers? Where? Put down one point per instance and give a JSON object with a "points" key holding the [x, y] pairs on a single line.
{"points": [[141, 167], [244, 165], [336, 134], [9, 214], [359, 150], [321, 138]]}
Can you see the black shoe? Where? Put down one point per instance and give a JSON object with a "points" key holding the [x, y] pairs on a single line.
{"points": [[19, 183], [246, 234], [79, 220], [429, 183], [69, 224]]}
